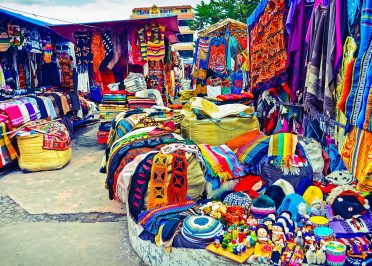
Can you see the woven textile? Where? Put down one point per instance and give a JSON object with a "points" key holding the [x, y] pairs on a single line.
{"points": [[151, 219], [357, 156], [139, 185], [177, 188], [267, 47], [282, 149], [7, 151], [158, 181]]}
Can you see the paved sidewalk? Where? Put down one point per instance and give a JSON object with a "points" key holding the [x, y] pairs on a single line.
{"points": [[64, 217]]}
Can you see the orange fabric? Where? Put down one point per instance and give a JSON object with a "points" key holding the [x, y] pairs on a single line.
{"points": [[242, 140], [98, 51]]}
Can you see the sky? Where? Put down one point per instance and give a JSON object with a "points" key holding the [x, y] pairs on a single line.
{"points": [[86, 10]]}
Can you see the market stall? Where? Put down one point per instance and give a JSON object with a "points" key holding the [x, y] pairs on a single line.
{"points": [[273, 185], [220, 60], [36, 82], [130, 61]]}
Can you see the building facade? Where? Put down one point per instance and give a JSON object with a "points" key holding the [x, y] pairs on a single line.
{"points": [[184, 13]]}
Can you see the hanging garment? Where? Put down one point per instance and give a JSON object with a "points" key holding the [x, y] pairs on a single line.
{"points": [[134, 52], [155, 50], [201, 64], [98, 51], [116, 47], [232, 53], [217, 56], [268, 54]]}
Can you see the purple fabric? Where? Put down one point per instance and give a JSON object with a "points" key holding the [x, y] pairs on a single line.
{"points": [[291, 12], [296, 51], [316, 4], [30, 110], [338, 53]]}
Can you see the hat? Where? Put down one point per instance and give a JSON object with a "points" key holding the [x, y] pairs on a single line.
{"points": [[291, 203], [200, 229], [248, 183], [169, 229], [340, 178], [303, 185], [280, 225], [238, 199], [262, 207], [264, 226], [4, 41], [311, 194], [285, 185], [349, 203], [268, 219], [276, 193]]}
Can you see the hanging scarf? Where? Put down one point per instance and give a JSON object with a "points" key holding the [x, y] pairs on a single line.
{"points": [[177, 188], [158, 181], [282, 147]]}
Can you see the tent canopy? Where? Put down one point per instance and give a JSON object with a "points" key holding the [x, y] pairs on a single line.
{"points": [[67, 30], [20, 18], [235, 27]]}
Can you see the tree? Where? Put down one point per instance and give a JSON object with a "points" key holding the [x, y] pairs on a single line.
{"points": [[216, 10]]}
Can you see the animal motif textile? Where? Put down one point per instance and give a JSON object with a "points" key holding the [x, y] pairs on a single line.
{"points": [[267, 48], [357, 155], [158, 181]]}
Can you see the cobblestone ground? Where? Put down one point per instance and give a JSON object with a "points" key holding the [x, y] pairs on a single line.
{"points": [[13, 215]]}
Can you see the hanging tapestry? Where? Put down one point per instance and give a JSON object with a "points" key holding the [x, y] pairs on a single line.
{"points": [[267, 48]]}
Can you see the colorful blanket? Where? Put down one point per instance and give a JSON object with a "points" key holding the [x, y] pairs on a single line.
{"points": [[282, 148]]}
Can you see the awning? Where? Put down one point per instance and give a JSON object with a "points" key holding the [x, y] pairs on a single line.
{"points": [[67, 30], [23, 19]]}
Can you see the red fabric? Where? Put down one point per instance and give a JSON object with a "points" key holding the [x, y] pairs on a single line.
{"points": [[327, 162], [107, 77], [326, 189], [249, 184]]}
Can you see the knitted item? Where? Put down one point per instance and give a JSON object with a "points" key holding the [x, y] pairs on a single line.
{"points": [[276, 193], [311, 194], [262, 207], [177, 188], [151, 219], [200, 228], [158, 181]]}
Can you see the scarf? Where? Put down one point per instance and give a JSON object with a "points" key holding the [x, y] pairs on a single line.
{"points": [[217, 163], [187, 148], [177, 188], [232, 161], [282, 146], [121, 150], [139, 185], [7, 151], [357, 156], [158, 181]]}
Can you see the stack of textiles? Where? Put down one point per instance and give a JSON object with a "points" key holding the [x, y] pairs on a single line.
{"points": [[20, 111], [135, 82], [7, 151], [112, 104], [141, 103]]}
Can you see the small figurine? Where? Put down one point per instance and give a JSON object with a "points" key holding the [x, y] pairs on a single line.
{"points": [[302, 214], [320, 255], [278, 234], [263, 247], [299, 240], [317, 208], [311, 255]]}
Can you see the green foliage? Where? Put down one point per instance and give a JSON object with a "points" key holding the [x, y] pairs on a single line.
{"points": [[210, 13]]}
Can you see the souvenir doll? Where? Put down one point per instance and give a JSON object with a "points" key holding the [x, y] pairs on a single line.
{"points": [[263, 247], [317, 208]]}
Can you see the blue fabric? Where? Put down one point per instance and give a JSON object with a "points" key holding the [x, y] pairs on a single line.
{"points": [[19, 17], [290, 203], [337, 164], [257, 12]]}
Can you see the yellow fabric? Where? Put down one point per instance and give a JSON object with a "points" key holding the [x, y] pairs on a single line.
{"points": [[221, 123], [34, 158]]}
